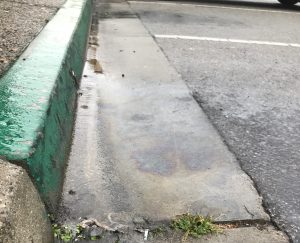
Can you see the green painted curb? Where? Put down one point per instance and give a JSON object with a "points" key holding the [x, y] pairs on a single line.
{"points": [[37, 98]]}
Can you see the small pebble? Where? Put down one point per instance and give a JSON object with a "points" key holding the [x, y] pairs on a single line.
{"points": [[71, 192], [95, 231]]}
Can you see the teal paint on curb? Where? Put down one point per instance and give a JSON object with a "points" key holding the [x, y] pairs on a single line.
{"points": [[37, 98]]}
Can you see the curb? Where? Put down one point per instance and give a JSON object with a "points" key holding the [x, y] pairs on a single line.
{"points": [[37, 99], [23, 217]]}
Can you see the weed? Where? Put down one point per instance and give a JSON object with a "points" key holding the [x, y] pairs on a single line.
{"points": [[79, 232], [66, 234], [63, 233], [194, 225]]}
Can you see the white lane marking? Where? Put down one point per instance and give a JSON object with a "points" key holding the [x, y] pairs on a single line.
{"points": [[216, 6], [185, 37]]}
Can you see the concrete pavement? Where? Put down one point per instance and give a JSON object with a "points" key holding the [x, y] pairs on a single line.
{"points": [[250, 91], [143, 148]]}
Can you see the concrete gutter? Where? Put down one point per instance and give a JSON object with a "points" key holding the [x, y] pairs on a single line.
{"points": [[23, 216], [37, 99]]}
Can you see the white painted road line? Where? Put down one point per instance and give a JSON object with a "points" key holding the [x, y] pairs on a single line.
{"points": [[269, 43], [217, 6]]}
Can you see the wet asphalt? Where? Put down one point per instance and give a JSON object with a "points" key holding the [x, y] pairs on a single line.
{"points": [[249, 91]]}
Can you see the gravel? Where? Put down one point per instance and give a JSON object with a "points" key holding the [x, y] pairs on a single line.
{"points": [[20, 22]]}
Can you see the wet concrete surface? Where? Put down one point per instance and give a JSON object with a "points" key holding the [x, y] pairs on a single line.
{"points": [[143, 148], [249, 92], [249, 234], [20, 22]]}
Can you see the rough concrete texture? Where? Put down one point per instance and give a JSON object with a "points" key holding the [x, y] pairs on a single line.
{"points": [[20, 22], [23, 217], [237, 235], [249, 92], [142, 146]]}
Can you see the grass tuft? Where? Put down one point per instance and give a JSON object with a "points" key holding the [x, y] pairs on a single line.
{"points": [[66, 234], [194, 225]]}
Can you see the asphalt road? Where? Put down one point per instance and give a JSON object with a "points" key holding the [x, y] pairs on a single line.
{"points": [[237, 60]]}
